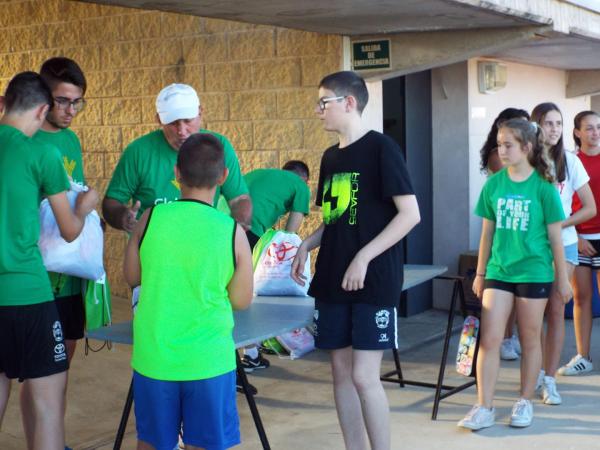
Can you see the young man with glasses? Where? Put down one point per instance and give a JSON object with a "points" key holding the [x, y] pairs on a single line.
{"points": [[368, 206]]}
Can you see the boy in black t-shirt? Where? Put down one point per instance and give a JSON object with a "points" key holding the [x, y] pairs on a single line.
{"points": [[368, 206]]}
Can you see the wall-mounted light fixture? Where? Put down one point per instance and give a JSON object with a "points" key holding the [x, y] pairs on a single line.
{"points": [[491, 76]]}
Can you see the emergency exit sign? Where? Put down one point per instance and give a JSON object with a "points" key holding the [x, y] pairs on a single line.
{"points": [[371, 55]]}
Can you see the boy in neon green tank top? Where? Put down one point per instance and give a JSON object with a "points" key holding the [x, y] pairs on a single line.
{"points": [[194, 265]]}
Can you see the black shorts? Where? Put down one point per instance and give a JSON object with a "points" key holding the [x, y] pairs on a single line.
{"points": [[252, 239], [592, 262], [32, 341], [524, 290], [362, 326], [72, 316]]}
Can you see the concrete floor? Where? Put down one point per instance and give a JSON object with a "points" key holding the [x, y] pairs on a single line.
{"points": [[296, 401]]}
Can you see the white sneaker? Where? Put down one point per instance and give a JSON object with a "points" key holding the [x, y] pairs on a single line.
{"points": [[507, 350], [516, 343], [577, 366], [540, 380], [549, 392], [478, 418], [522, 414]]}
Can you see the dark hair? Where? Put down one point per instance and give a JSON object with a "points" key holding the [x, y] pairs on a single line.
{"points": [[201, 161], [347, 83], [526, 132], [63, 70], [491, 142], [577, 124], [26, 91], [298, 167], [556, 152]]}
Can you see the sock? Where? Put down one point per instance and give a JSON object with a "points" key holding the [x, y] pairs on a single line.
{"points": [[252, 352]]}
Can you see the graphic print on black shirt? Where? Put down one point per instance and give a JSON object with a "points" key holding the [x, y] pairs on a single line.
{"points": [[356, 186]]}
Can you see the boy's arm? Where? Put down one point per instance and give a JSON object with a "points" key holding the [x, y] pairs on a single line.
{"points": [[294, 221], [485, 245], [131, 265], [562, 285], [70, 223], [240, 286], [310, 243], [405, 219]]}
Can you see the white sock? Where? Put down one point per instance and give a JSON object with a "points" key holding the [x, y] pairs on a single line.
{"points": [[252, 352]]}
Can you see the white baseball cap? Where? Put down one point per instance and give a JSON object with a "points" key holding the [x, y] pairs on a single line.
{"points": [[177, 101]]}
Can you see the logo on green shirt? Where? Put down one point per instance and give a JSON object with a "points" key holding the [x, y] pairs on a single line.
{"points": [[70, 165], [512, 213], [340, 192]]}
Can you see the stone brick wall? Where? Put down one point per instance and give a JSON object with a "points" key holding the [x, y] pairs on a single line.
{"points": [[257, 83]]}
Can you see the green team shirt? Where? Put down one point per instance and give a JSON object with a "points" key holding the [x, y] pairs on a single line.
{"points": [[521, 211], [69, 147], [275, 192], [183, 324], [145, 172], [28, 171]]}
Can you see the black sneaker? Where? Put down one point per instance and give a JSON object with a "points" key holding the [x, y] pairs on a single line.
{"points": [[250, 364]]}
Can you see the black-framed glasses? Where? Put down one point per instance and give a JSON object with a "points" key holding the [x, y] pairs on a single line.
{"points": [[324, 100], [64, 103]]}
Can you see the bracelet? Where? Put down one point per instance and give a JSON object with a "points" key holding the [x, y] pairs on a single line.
{"points": [[480, 274]]}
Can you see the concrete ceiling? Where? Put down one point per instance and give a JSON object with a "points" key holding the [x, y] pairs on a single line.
{"points": [[347, 17]]}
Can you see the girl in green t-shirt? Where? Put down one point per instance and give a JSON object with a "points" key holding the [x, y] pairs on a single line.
{"points": [[520, 241]]}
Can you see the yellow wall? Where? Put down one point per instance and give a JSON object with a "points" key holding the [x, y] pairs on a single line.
{"points": [[257, 83]]}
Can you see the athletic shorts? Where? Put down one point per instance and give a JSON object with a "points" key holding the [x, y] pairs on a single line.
{"points": [[32, 341], [206, 408], [362, 326], [524, 290], [252, 239], [571, 254], [594, 261], [72, 316]]}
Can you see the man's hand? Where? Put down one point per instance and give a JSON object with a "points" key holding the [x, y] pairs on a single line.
{"points": [[297, 271], [86, 202], [354, 278], [129, 220], [478, 283]]}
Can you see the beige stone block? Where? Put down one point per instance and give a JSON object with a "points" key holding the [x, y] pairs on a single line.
{"points": [[141, 82], [181, 25], [101, 30], [101, 139], [3, 84], [250, 45], [228, 77], [132, 132], [280, 73], [100, 185], [188, 74], [309, 225], [78, 10], [25, 38], [93, 164], [117, 56], [215, 26], [121, 111], [114, 271], [314, 68], [258, 159], [116, 241], [87, 57], [13, 63], [206, 48], [297, 103], [160, 53], [253, 105], [316, 139], [149, 110], [103, 84], [110, 163], [46, 11], [91, 115], [106, 10], [334, 44], [278, 134], [215, 107], [140, 25], [65, 36], [238, 133], [310, 158], [15, 14], [299, 43]]}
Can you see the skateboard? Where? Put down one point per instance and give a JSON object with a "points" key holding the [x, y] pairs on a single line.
{"points": [[467, 346]]}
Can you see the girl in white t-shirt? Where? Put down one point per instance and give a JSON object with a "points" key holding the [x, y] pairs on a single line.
{"points": [[571, 177]]}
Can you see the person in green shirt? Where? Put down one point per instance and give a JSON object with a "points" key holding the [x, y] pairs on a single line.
{"points": [[183, 349], [33, 349], [144, 175], [68, 84]]}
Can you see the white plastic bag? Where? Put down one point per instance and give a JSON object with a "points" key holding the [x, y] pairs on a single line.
{"points": [[297, 342], [273, 255], [82, 257]]}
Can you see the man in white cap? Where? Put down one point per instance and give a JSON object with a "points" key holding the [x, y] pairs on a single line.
{"points": [[144, 176]]}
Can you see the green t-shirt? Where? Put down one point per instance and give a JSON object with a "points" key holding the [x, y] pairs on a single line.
{"points": [[183, 324], [274, 192], [28, 171], [145, 172], [521, 211], [69, 146]]}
